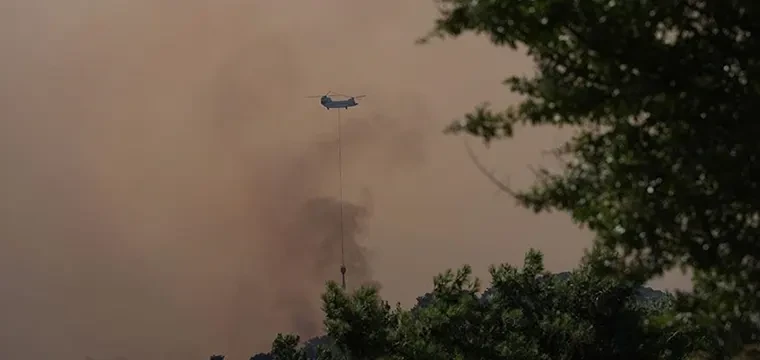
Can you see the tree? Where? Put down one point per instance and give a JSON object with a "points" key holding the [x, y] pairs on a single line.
{"points": [[664, 164], [285, 347], [526, 314]]}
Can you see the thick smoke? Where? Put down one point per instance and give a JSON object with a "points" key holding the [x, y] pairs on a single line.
{"points": [[166, 190]]}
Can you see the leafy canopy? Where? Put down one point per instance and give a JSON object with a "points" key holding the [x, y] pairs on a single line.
{"points": [[526, 314], [664, 163]]}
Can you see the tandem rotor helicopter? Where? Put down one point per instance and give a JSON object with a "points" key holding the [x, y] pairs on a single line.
{"points": [[329, 103]]}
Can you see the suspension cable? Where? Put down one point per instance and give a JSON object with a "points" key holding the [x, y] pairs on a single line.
{"points": [[340, 186]]}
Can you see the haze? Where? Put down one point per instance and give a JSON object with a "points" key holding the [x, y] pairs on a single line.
{"points": [[168, 192]]}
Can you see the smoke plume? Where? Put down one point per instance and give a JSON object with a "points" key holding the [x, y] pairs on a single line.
{"points": [[166, 189], [168, 192]]}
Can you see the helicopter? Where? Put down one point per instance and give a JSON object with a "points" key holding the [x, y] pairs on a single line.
{"points": [[329, 103]]}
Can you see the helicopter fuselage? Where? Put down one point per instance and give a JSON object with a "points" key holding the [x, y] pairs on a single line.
{"points": [[338, 104]]}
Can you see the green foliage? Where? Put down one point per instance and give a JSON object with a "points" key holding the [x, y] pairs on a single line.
{"points": [[526, 314], [286, 347], [359, 324], [664, 165]]}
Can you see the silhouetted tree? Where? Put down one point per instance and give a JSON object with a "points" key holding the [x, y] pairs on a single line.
{"points": [[664, 164]]}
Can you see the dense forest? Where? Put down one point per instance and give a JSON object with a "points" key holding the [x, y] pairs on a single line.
{"points": [[663, 167]]}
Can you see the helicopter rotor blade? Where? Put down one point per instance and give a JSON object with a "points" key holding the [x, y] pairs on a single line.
{"points": [[319, 96], [329, 93], [350, 96]]}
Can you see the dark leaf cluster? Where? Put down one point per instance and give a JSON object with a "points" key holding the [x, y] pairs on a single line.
{"points": [[664, 164]]}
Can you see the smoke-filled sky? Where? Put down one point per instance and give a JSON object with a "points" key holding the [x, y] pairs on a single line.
{"points": [[167, 189]]}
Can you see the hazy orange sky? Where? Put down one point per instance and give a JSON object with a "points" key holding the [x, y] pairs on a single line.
{"points": [[157, 154]]}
